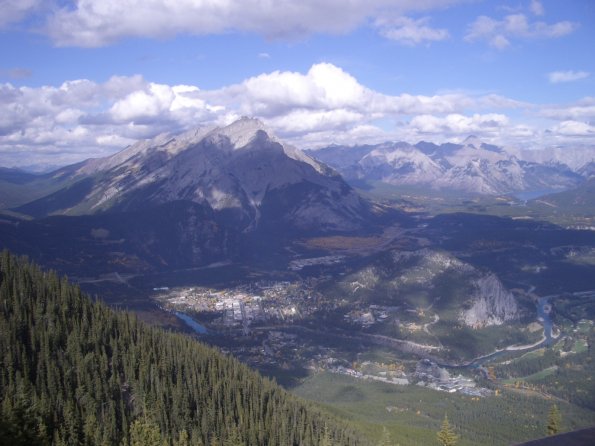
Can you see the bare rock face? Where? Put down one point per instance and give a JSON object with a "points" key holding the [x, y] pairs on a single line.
{"points": [[492, 304], [241, 172]]}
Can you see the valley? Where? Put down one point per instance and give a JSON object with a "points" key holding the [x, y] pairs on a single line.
{"points": [[358, 318]]}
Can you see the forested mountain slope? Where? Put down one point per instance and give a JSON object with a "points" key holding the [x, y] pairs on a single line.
{"points": [[76, 372]]}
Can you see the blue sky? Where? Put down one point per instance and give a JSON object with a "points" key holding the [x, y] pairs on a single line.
{"points": [[81, 79]]}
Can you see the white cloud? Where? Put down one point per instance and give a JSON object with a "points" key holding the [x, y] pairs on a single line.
{"points": [[409, 31], [325, 87], [583, 109], [458, 124], [101, 22], [81, 118], [574, 128], [537, 7], [152, 102], [495, 101], [556, 77], [499, 33], [14, 11], [499, 41]]}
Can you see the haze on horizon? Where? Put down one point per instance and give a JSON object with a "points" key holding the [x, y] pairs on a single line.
{"points": [[81, 79]]}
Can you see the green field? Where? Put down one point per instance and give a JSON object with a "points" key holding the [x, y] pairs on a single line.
{"points": [[413, 414]]}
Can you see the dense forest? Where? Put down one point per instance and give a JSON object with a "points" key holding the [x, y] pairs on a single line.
{"points": [[73, 371]]}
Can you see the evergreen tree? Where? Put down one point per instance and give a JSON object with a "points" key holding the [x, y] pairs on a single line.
{"points": [[553, 420], [446, 435]]}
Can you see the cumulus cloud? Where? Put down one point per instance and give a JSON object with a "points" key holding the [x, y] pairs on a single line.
{"points": [[499, 33], [411, 32], [458, 124], [575, 123], [81, 118], [326, 87], [556, 77], [574, 128], [101, 22], [583, 109]]}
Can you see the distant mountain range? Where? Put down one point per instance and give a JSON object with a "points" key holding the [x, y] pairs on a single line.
{"points": [[470, 167]]}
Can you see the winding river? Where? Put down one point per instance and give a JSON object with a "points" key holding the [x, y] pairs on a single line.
{"points": [[544, 310]]}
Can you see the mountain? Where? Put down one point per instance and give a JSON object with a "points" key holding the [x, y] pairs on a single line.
{"points": [[573, 157], [76, 372], [17, 176], [434, 294], [18, 187], [578, 201], [179, 201], [588, 170], [470, 167], [240, 172]]}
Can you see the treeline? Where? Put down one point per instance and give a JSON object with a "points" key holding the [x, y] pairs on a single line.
{"points": [[571, 379], [76, 372]]}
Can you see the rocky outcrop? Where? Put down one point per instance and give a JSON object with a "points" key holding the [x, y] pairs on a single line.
{"points": [[492, 304]]}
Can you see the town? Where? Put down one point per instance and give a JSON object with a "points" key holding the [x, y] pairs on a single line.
{"points": [[268, 322]]}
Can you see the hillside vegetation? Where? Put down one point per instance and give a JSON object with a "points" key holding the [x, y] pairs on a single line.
{"points": [[76, 372]]}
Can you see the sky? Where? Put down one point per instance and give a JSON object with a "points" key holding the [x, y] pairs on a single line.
{"points": [[86, 78]]}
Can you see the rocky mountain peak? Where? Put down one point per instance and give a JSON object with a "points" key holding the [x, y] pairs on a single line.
{"points": [[240, 171], [243, 131]]}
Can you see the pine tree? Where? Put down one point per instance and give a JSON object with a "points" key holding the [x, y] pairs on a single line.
{"points": [[446, 435], [553, 420]]}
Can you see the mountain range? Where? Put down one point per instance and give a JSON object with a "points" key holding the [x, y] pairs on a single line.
{"points": [[470, 167], [178, 201], [217, 194]]}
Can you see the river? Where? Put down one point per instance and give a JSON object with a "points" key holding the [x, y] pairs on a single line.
{"points": [[544, 310], [198, 328]]}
